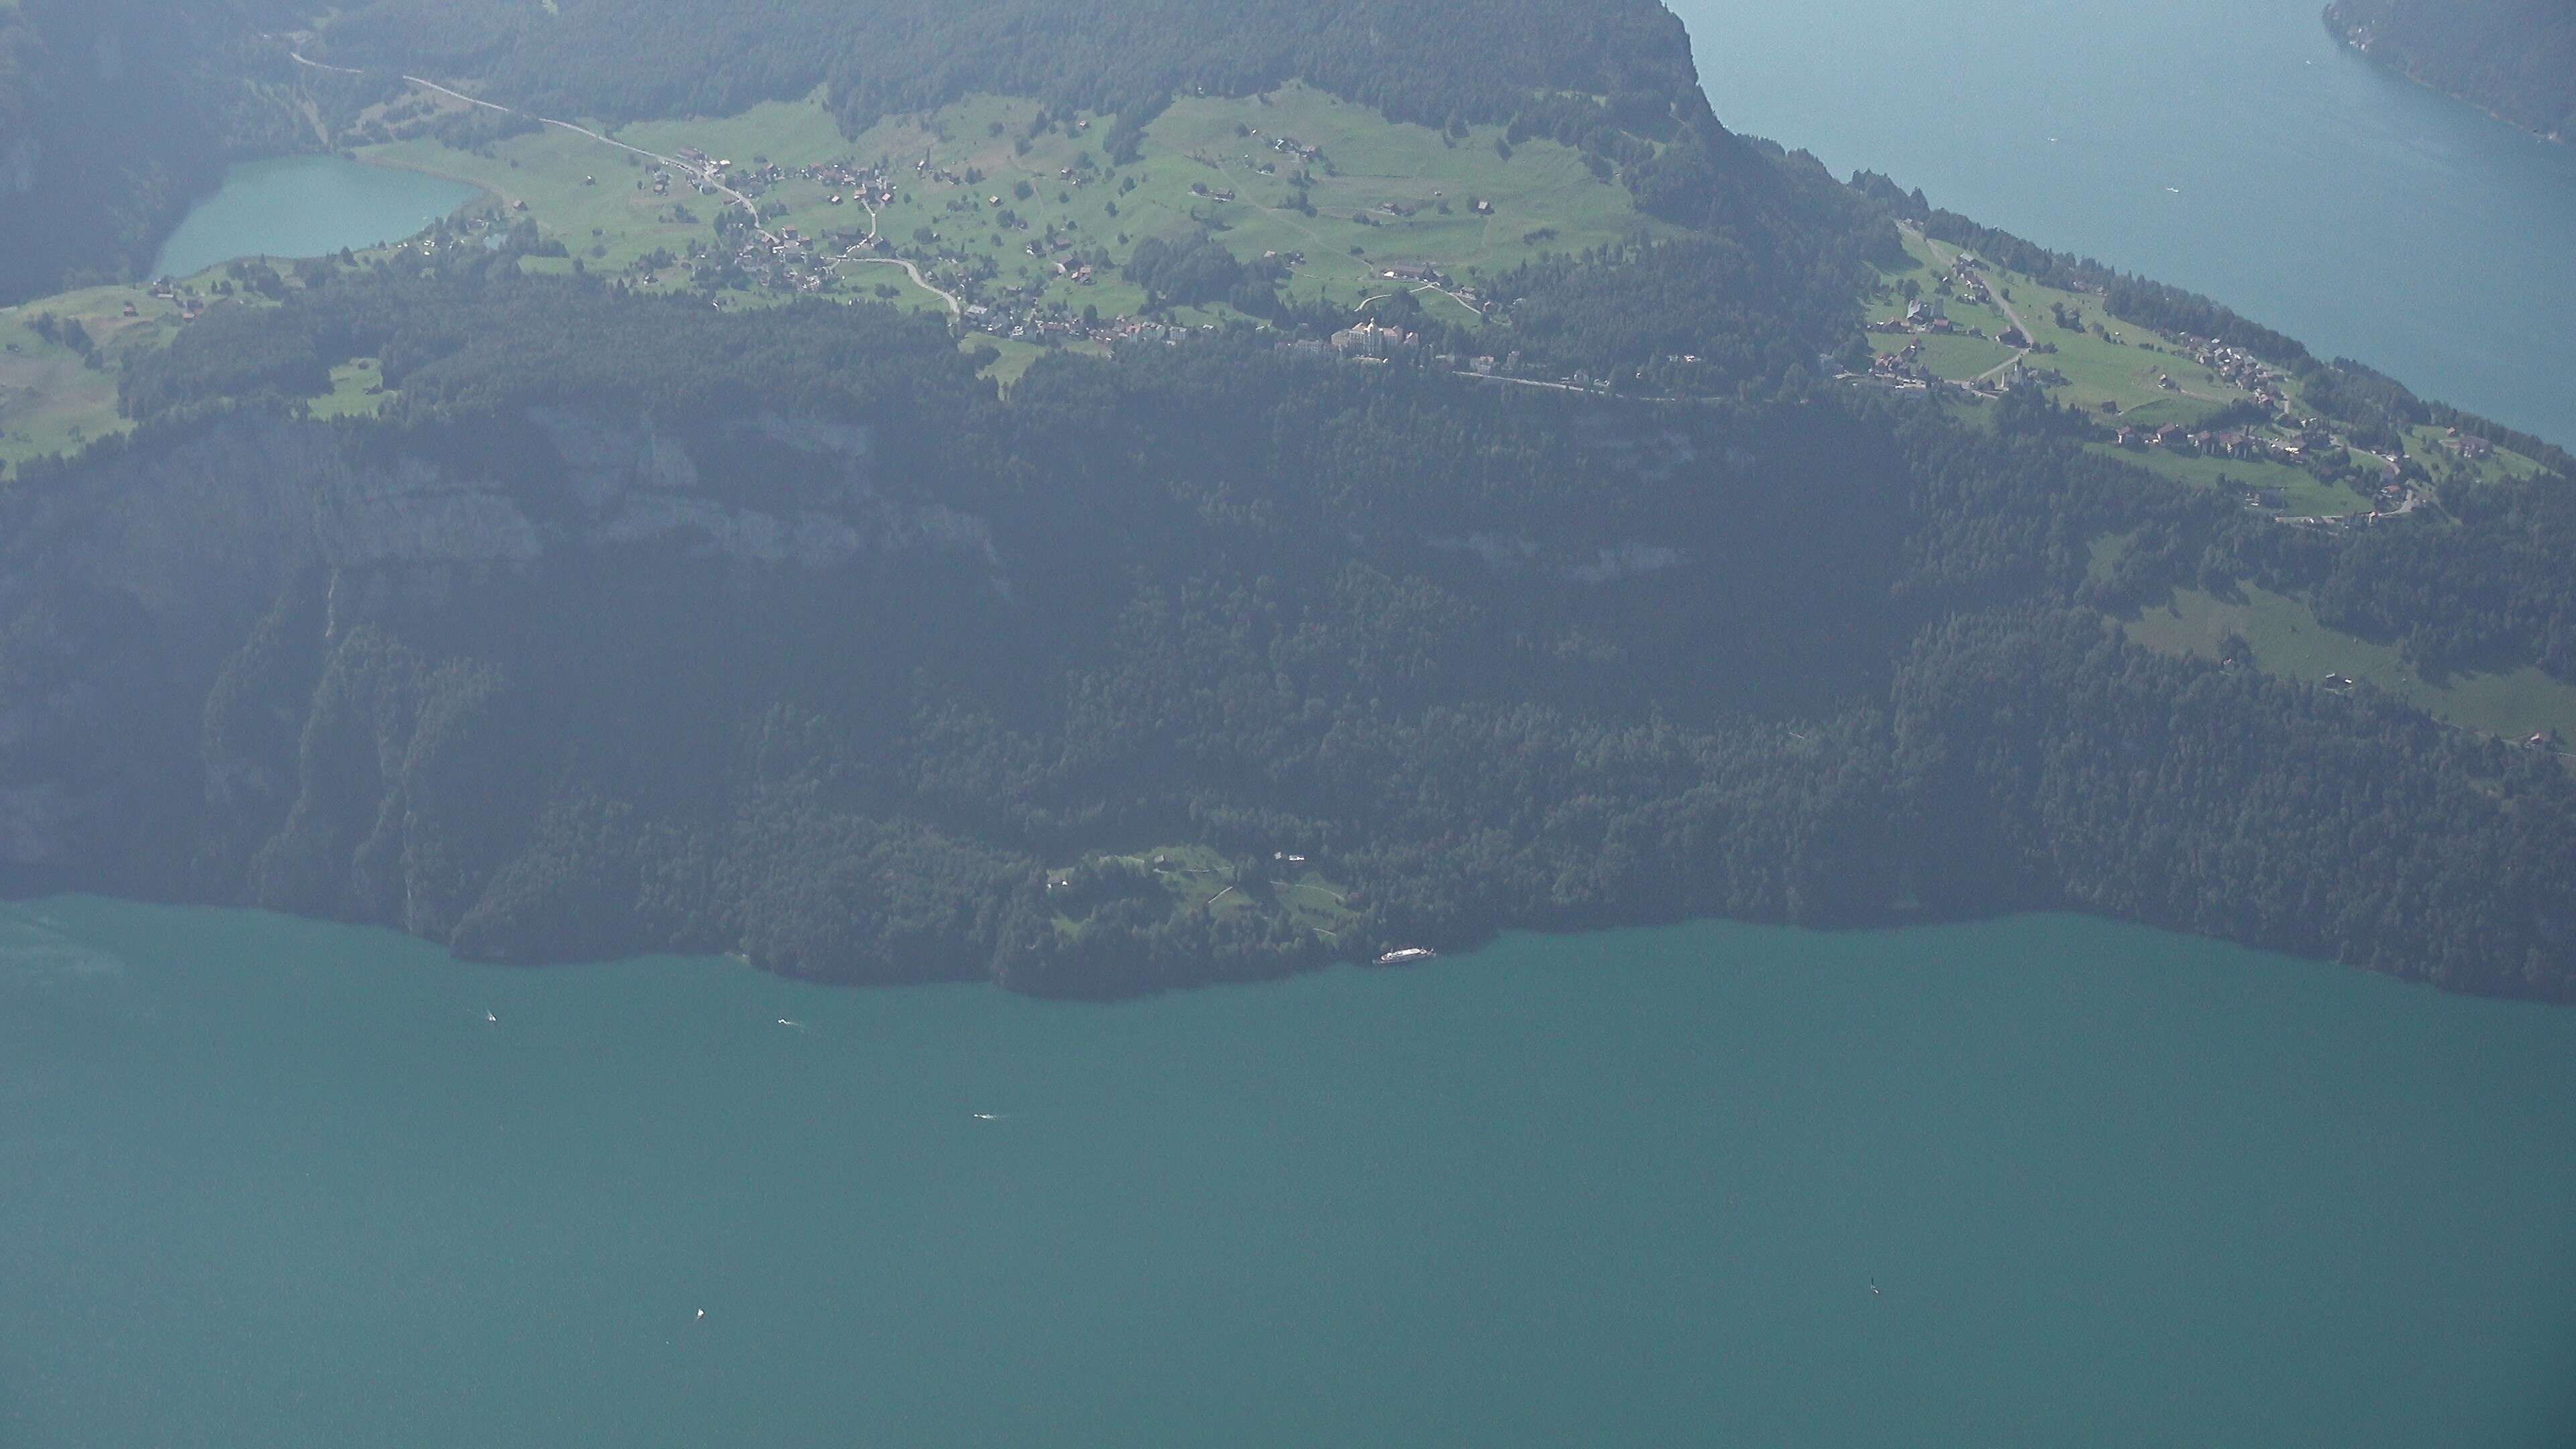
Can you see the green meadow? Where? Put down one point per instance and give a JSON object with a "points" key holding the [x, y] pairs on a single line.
{"points": [[1188, 878], [1380, 193], [2304, 494], [2128, 368], [2286, 639], [52, 399]]}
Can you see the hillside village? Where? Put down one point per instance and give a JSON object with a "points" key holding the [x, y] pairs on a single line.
{"points": [[1019, 224], [2196, 408], [990, 288]]}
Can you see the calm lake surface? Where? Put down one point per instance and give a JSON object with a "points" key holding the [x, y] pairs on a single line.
{"points": [[2364, 215], [305, 206], [274, 1183]]}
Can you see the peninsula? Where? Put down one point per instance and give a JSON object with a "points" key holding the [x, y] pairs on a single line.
{"points": [[1102, 498]]}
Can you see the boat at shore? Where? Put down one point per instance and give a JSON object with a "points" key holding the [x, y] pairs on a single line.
{"points": [[1406, 956]]}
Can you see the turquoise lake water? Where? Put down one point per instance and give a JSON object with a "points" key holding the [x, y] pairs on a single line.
{"points": [[275, 1183], [2312, 191], [305, 206]]}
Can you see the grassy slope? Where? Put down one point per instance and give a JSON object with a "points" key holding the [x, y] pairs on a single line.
{"points": [[2305, 494], [2287, 640], [1195, 878], [2286, 637], [356, 391], [584, 194], [49, 401], [2122, 372], [1544, 200]]}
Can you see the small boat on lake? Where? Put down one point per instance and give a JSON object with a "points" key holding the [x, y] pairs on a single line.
{"points": [[1406, 956]]}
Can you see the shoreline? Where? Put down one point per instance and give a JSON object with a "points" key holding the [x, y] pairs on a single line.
{"points": [[1455, 948], [155, 272], [2346, 37]]}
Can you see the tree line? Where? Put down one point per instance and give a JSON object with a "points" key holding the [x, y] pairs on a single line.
{"points": [[1495, 657]]}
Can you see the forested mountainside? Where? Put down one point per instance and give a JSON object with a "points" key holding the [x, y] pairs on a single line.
{"points": [[2515, 58], [668, 609], [1426, 62], [115, 115], [638, 625]]}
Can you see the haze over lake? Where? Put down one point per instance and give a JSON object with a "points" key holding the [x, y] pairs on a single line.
{"points": [[305, 206], [2042, 1181], [267, 1182], [2229, 146]]}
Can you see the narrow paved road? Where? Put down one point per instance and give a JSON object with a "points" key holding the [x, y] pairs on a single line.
{"points": [[674, 162], [955, 307], [2029, 339], [1324, 246]]}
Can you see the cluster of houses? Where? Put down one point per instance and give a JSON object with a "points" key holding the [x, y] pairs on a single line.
{"points": [[1369, 340], [697, 170], [2238, 368], [1028, 322], [1291, 146], [191, 306], [2022, 374], [1903, 368], [1924, 314], [1967, 275], [1055, 243], [852, 185], [2393, 495], [1371, 343], [2224, 443], [2467, 445]]}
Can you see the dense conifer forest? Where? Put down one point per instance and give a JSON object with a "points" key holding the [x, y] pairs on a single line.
{"points": [[621, 59], [115, 115], [1486, 656], [634, 623]]}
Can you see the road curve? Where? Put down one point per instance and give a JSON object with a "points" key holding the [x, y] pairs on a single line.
{"points": [[955, 307]]}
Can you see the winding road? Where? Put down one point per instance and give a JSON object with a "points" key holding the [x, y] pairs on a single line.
{"points": [[956, 308], [706, 176]]}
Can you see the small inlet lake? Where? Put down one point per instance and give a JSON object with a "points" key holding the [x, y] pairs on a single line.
{"points": [[2045, 1181], [305, 206]]}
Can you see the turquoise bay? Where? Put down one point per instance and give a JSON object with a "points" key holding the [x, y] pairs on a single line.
{"points": [[2042, 1181], [305, 206]]}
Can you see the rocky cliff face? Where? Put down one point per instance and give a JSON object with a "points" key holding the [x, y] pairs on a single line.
{"points": [[180, 611]]}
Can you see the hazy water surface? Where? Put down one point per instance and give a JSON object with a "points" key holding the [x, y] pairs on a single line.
{"points": [[280, 1184], [305, 206], [2230, 146]]}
